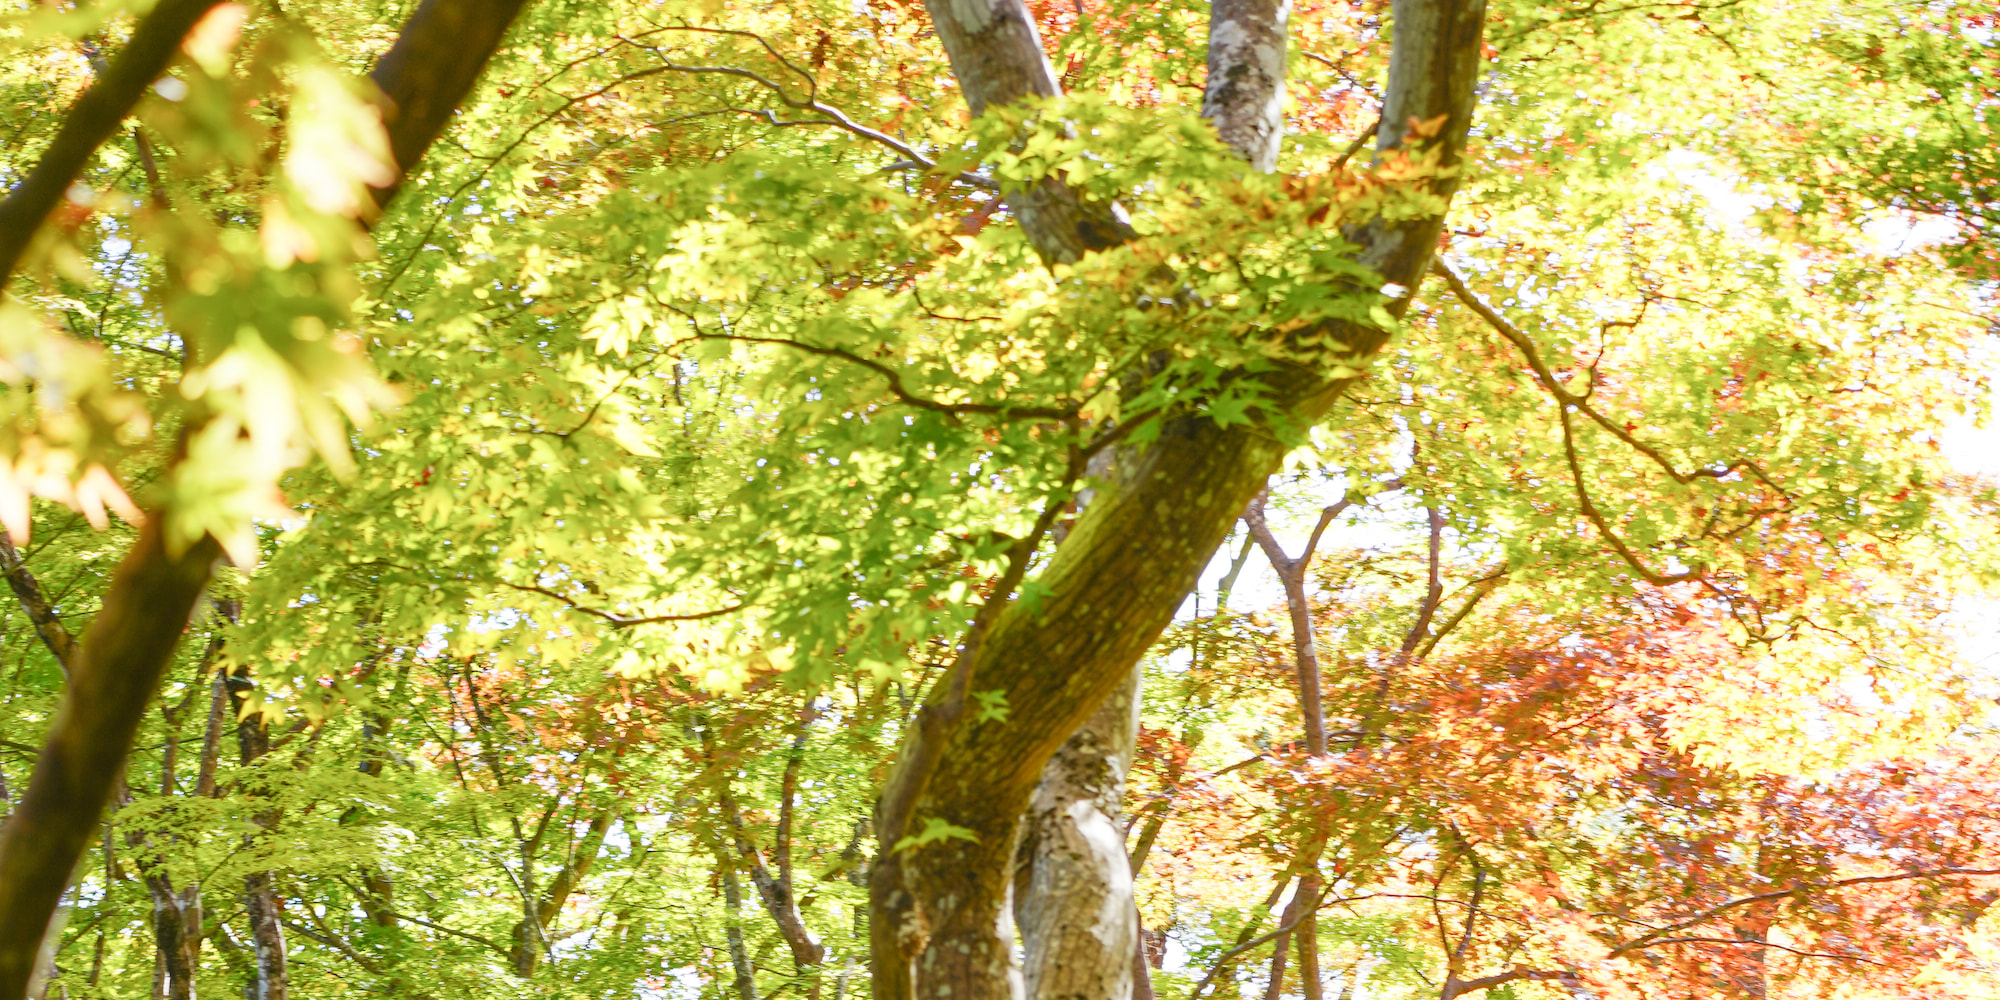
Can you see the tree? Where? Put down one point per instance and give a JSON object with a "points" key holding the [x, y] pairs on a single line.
{"points": [[717, 351]]}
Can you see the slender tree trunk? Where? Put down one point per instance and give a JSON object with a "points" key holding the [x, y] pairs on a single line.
{"points": [[1245, 96], [531, 932], [260, 897], [739, 953], [1305, 654], [177, 913], [996, 54]]}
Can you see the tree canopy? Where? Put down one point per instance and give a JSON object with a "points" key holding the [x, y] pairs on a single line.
{"points": [[997, 499]]}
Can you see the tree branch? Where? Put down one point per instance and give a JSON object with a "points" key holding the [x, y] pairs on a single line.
{"points": [[90, 121], [1650, 937], [895, 380], [48, 625]]}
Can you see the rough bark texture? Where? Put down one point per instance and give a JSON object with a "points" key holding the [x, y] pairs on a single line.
{"points": [[1113, 585], [118, 668], [27, 590], [94, 117], [1073, 901], [996, 54], [1073, 892], [431, 68], [1245, 96]]}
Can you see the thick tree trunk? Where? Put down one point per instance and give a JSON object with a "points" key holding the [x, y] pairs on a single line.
{"points": [[1073, 892], [123, 655], [431, 68], [1114, 584], [1073, 901]]}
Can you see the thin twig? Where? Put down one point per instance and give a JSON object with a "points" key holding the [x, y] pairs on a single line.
{"points": [[1645, 940], [895, 380]]}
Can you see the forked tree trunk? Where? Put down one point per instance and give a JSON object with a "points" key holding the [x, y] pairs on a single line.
{"points": [[937, 928], [1073, 895]]}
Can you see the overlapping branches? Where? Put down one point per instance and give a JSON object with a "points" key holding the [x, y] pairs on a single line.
{"points": [[1569, 403]]}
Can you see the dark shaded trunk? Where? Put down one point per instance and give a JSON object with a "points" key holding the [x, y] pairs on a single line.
{"points": [[260, 898], [122, 658]]}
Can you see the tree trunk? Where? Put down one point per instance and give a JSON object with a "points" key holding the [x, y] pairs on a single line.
{"points": [[1245, 96], [177, 914], [1305, 657], [996, 54], [260, 897], [531, 932], [94, 118], [1074, 901], [739, 953], [116, 671], [1073, 891], [1115, 582]]}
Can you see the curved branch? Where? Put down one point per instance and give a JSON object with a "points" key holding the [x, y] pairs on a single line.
{"points": [[1652, 937], [90, 121], [895, 380], [615, 620], [1526, 345]]}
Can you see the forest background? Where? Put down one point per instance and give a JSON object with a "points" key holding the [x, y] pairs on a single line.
{"points": [[994, 499]]}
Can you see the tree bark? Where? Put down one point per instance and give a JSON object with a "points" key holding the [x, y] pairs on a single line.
{"points": [[996, 54], [531, 932], [48, 624], [739, 953], [1073, 897], [1114, 584], [1073, 900], [1245, 95], [117, 669], [775, 891], [431, 68], [260, 897], [1291, 572]]}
